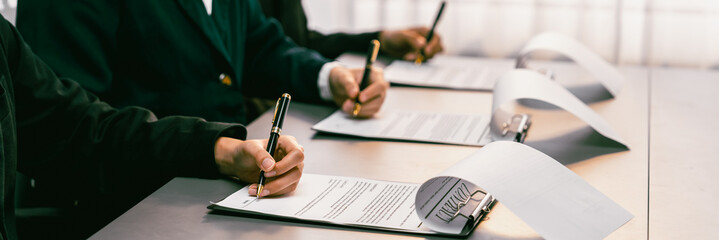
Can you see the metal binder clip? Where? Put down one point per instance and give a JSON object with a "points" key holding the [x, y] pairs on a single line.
{"points": [[546, 72], [518, 125], [522, 63], [461, 197]]}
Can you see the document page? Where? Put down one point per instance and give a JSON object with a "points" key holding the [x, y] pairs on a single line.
{"points": [[448, 128], [469, 129], [604, 72], [453, 72], [539, 87], [338, 200], [550, 198]]}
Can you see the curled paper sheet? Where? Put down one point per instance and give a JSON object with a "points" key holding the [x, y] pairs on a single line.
{"points": [[527, 84], [550, 198], [607, 74]]}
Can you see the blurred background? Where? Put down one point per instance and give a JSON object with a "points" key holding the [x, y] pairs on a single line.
{"points": [[625, 32]]}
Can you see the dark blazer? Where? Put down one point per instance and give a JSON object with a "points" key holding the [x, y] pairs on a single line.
{"points": [[169, 55], [52, 127], [294, 21]]}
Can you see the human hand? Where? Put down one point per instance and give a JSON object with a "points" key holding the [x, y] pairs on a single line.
{"points": [[406, 43], [244, 160], [344, 84]]}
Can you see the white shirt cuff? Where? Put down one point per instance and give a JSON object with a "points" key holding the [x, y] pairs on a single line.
{"points": [[323, 80]]}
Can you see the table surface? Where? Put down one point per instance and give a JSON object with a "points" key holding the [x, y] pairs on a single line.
{"points": [[645, 112], [684, 156]]}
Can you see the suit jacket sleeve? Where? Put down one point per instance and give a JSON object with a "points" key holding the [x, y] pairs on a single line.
{"points": [[272, 59], [291, 14], [65, 131], [333, 45]]}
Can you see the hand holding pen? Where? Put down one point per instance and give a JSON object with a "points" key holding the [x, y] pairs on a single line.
{"points": [[244, 159], [413, 44], [371, 57], [283, 103], [359, 92], [421, 56], [406, 44]]}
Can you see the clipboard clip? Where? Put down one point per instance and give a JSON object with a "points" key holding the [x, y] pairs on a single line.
{"points": [[461, 197], [518, 125], [522, 63]]}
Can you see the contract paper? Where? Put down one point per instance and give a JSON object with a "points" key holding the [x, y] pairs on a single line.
{"points": [[469, 73], [452, 72], [608, 75], [527, 84], [553, 200], [448, 128], [550, 198], [338, 200], [469, 129]]}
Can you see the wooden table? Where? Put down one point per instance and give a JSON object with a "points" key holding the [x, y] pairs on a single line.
{"points": [[684, 154]]}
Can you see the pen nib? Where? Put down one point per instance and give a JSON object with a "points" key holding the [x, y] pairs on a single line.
{"points": [[259, 191], [419, 60], [356, 110]]}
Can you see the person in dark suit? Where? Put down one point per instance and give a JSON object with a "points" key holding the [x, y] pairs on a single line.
{"points": [[403, 44], [52, 127], [179, 57], [183, 57]]}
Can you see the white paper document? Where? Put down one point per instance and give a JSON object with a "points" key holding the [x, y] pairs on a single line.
{"points": [[459, 129], [338, 200], [607, 74], [453, 72], [550, 198], [527, 84], [469, 129], [471, 73]]}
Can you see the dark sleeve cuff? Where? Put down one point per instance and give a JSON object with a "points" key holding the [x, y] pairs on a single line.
{"points": [[206, 167], [333, 45], [363, 40]]}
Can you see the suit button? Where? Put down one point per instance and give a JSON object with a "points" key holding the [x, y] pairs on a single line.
{"points": [[225, 79]]}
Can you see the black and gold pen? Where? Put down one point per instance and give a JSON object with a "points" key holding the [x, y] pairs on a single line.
{"points": [[371, 57], [283, 103], [420, 57]]}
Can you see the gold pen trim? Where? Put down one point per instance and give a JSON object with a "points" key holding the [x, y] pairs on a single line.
{"points": [[259, 190], [367, 68], [375, 50], [356, 109], [277, 105], [419, 60]]}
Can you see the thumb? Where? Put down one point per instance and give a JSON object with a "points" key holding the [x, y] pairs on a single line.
{"points": [[410, 56], [415, 40], [350, 83], [263, 159]]}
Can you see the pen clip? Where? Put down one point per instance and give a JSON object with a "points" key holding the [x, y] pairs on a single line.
{"points": [[274, 115], [373, 51], [522, 63]]}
